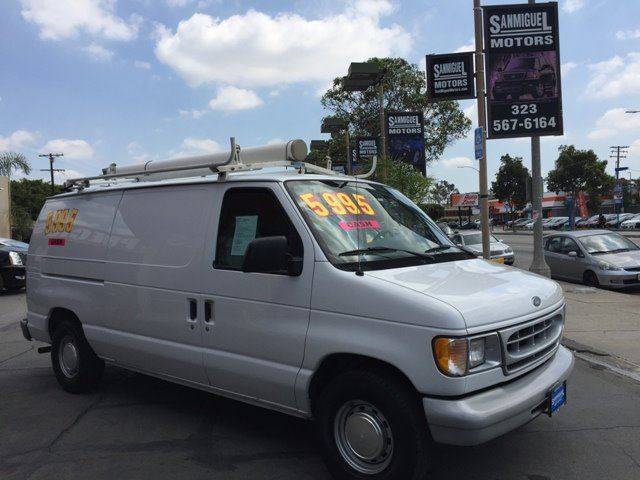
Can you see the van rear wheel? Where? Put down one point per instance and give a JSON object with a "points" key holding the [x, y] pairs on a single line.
{"points": [[76, 366], [371, 425]]}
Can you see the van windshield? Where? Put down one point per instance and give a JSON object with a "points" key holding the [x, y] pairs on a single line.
{"points": [[370, 225]]}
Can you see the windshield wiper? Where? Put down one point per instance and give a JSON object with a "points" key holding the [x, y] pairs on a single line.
{"points": [[382, 250], [439, 248]]}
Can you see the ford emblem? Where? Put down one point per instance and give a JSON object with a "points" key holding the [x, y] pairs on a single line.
{"points": [[536, 301]]}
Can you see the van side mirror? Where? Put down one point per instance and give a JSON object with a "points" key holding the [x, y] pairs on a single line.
{"points": [[271, 255]]}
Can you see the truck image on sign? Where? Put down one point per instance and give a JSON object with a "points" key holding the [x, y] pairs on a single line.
{"points": [[524, 75], [324, 296]]}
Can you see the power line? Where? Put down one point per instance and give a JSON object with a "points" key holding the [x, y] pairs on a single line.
{"points": [[51, 156]]}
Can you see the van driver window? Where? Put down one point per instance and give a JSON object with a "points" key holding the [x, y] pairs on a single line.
{"points": [[247, 214]]}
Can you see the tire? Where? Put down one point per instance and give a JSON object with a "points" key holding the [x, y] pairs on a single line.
{"points": [[403, 449], [76, 366], [591, 279]]}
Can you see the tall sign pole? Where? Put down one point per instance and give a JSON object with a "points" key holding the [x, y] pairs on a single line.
{"points": [[482, 123], [538, 265]]}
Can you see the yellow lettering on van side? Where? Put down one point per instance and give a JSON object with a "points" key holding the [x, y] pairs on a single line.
{"points": [[60, 221]]}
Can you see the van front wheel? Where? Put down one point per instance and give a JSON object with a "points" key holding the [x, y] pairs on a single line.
{"points": [[371, 425], [76, 366]]}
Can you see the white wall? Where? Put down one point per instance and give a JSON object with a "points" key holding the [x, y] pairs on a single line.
{"points": [[4, 207]]}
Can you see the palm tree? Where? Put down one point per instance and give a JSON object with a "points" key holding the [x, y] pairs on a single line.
{"points": [[12, 161]]}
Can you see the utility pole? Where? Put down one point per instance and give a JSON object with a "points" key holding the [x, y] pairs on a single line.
{"points": [[538, 265], [51, 156], [618, 152], [383, 129], [482, 123]]}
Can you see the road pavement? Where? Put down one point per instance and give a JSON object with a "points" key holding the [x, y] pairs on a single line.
{"points": [[139, 427]]}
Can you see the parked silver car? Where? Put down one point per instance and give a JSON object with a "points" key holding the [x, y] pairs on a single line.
{"points": [[594, 257], [500, 252]]}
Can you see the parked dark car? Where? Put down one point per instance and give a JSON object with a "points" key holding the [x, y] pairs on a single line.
{"points": [[13, 258], [525, 75]]}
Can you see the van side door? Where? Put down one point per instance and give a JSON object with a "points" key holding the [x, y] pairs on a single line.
{"points": [[255, 323]]}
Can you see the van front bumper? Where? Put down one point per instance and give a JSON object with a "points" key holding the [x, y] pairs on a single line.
{"points": [[481, 417]]}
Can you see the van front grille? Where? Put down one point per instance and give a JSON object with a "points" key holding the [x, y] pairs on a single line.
{"points": [[529, 342]]}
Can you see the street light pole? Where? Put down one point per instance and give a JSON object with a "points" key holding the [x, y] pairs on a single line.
{"points": [[482, 123], [538, 265]]}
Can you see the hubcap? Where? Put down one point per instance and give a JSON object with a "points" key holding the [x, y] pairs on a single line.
{"points": [[363, 437], [68, 357]]}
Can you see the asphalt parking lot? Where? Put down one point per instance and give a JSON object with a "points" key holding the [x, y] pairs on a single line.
{"points": [[138, 427]]}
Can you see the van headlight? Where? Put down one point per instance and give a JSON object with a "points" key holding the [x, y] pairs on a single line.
{"points": [[457, 357], [15, 258]]}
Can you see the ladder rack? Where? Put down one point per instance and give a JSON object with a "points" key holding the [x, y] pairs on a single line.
{"points": [[288, 154]]}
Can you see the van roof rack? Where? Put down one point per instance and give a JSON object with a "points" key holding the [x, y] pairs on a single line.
{"points": [[285, 154]]}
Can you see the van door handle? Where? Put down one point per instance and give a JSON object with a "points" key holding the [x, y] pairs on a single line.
{"points": [[208, 311], [193, 312]]}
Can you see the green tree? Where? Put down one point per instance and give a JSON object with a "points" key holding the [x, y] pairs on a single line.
{"points": [[580, 170], [12, 162], [510, 184], [404, 89], [409, 181], [28, 196], [441, 192]]}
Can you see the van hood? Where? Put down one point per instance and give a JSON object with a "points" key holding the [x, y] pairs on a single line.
{"points": [[483, 292]]}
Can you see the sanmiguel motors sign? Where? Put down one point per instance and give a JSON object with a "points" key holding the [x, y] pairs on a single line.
{"points": [[522, 63], [450, 76]]}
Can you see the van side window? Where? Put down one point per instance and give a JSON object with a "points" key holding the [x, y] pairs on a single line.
{"points": [[247, 214]]}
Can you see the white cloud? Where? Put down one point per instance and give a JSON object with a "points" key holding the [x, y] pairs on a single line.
{"points": [[634, 155], [571, 6], [142, 65], [72, 149], [566, 67], [60, 19], [615, 77], [193, 113], [178, 3], [98, 52], [628, 34], [456, 162], [61, 177], [196, 146], [233, 98], [612, 122], [468, 47], [17, 140], [258, 49]]}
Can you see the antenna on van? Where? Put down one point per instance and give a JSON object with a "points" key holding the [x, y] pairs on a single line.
{"points": [[359, 271]]}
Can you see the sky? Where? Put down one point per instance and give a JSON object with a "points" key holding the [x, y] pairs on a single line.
{"points": [[128, 81]]}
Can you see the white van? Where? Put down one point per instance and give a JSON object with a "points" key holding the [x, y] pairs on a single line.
{"points": [[315, 294]]}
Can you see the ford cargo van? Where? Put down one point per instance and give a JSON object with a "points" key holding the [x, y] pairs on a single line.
{"points": [[323, 296]]}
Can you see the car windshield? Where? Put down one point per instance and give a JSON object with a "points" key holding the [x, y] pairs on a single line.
{"points": [[7, 242], [369, 225], [607, 243], [476, 239]]}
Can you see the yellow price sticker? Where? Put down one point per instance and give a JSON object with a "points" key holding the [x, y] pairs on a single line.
{"points": [[339, 203], [59, 221]]}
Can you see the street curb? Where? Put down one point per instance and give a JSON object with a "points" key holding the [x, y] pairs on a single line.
{"points": [[547, 232], [605, 360]]}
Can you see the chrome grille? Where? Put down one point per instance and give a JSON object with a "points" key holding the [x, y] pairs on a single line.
{"points": [[531, 341], [496, 252]]}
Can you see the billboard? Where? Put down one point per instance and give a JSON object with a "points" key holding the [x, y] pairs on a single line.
{"points": [[366, 148], [405, 138], [522, 63], [464, 199], [450, 77]]}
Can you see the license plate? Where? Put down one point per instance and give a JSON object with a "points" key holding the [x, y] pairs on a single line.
{"points": [[557, 398], [498, 260]]}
